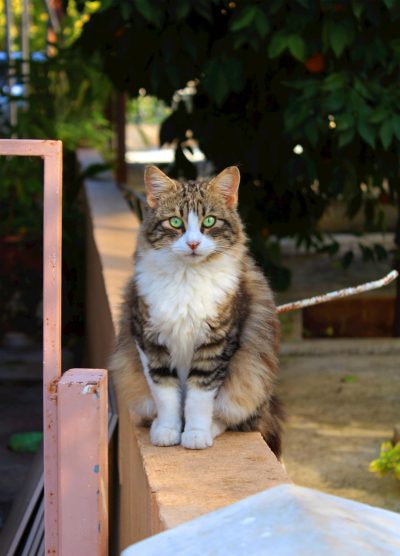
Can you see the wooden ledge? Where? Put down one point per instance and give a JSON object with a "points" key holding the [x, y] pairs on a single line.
{"points": [[160, 488]]}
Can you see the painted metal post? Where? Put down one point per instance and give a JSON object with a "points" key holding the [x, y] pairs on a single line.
{"points": [[51, 152], [83, 463], [76, 449], [51, 337]]}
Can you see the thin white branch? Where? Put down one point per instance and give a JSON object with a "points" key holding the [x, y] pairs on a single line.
{"points": [[339, 294]]}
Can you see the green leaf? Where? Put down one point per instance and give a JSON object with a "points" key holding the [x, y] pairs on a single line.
{"points": [[151, 11], [396, 126], [297, 47], [222, 75], [203, 8], [339, 37], [244, 18], [367, 132], [344, 121], [395, 45], [334, 82], [389, 4], [262, 24], [305, 3], [386, 133], [358, 8], [334, 102], [234, 73], [378, 115], [126, 9], [345, 138], [278, 44], [361, 88], [180, 9], [215, 82]]}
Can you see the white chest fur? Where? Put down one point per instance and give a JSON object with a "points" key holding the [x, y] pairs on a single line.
{"points": [[182, 297]]}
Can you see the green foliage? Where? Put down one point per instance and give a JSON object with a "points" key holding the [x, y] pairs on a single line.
{"points": [[270, 76], [147, 109], [388, 461], [66, 101]]}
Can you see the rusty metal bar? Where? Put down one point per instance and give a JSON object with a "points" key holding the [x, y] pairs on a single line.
{"points": [[338, 294], [51, 336], [83, 463], [51, 152]]}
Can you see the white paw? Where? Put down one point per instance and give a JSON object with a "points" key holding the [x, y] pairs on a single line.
{"points": [[164, 436], [197, 439]]}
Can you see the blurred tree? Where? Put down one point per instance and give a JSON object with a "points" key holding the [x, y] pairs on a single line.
{"points": [[304, 95]]}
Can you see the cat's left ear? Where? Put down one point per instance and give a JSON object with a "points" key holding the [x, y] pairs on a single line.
{"points": [[157, 184], [227, 184]]}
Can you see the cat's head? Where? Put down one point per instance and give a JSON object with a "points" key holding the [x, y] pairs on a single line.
{"points": [[192, 220]]}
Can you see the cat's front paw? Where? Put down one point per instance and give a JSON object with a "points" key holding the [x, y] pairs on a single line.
{"points": [[197, 439], [164, 436]]}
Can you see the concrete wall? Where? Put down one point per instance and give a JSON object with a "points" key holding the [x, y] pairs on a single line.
{"points": [[160, 488]]}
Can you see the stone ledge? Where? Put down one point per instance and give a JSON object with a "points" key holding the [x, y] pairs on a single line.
{"points": [[160, 487]]}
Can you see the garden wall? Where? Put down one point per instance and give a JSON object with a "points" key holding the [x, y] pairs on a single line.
{"points": [[159, 487]]}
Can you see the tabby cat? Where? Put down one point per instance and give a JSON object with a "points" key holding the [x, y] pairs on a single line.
{"points": [[201, 317]]}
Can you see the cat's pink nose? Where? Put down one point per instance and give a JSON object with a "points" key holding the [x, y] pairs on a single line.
{"points": [[193, 244]]}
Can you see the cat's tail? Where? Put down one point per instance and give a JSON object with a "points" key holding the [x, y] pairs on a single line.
{"points": [[270, 425], [268, 421]]}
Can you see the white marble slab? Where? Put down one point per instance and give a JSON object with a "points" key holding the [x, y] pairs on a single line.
{"points": [[283, 521]]}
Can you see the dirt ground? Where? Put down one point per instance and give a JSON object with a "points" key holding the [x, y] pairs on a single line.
{"points": [[340, 407]]}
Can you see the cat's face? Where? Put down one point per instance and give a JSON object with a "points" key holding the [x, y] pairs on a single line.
{"points": [[192, 220]]}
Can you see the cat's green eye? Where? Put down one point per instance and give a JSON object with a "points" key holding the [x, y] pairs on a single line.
{"points": [[209, 221], [176, 222]]}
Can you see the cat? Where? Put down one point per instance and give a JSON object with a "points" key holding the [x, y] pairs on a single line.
{"points": [[201, 317]]}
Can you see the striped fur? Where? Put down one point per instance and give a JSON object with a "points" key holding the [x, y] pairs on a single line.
{"points": [[203, 320]]}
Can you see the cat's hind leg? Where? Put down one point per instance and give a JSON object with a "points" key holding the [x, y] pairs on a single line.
{"points": [[131, 383], [218, 427]]}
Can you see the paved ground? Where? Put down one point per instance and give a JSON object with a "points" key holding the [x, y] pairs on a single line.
{"points": [[340, 407]]}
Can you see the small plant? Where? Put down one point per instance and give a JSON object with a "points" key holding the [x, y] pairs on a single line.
{"points": [[388, 461]]}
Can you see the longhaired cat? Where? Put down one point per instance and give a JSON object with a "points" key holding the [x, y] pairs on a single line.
{"points": [[201, 317]]}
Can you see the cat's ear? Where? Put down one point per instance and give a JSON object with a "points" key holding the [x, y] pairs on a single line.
{"points": [[227, 184], [157, 184]]}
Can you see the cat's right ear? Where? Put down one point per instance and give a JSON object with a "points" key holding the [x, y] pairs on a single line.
{"points": [[157, 184]]}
